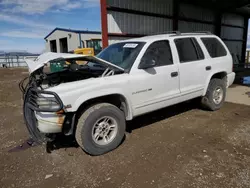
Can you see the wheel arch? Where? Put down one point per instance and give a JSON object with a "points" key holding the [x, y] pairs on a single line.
{"points": [[117, 99], [220, 75]]}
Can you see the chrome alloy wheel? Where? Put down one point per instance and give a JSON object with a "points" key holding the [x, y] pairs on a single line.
{"points": [[218, 95], [104, 130]]}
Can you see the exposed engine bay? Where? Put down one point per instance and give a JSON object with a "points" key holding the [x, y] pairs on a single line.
{"points": [[70, 73], [43, 78], [51, 69]]}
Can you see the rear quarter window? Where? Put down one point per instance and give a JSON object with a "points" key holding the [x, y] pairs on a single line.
{"points": [[214, 47]]}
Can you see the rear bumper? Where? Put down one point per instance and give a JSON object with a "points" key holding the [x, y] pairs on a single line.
{"points": [[230, 79]]}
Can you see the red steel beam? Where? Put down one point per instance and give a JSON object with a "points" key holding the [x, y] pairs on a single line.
{"points": [[104, 22]]}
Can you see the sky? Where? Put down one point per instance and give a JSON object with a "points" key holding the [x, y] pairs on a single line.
{"points": [[25, 23]]}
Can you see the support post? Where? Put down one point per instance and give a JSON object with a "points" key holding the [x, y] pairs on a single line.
{"points": [[176, 9], [244, 43], [104, 22], [218, 21]]}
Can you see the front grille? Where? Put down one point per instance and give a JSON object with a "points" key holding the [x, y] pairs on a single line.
{"points": [[30, 119], [32, 98]]}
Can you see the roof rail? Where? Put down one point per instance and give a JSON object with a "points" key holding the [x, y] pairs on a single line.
{"points": [[168, 32], [179, 33], [201, 32]]}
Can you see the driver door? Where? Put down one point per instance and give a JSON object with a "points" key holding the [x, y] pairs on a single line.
{"points": [[153, 87]]}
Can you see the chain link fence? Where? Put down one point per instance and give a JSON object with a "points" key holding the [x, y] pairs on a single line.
{"points": [[14, 61]]}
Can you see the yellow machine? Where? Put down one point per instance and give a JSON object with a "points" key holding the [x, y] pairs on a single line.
{"points": [[93, 48], [95, 44], [84, 51]]}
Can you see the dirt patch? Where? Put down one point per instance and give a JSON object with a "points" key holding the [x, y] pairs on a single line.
{"points": [[180, 146]]}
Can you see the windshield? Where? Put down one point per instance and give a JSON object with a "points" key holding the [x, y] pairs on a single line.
{"points": [[122, 54]]}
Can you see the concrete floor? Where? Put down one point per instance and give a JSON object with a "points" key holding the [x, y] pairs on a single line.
{"points": [[238, 94]]}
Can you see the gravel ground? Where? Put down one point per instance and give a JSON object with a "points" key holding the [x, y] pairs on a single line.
{"points": [[180, 146]]}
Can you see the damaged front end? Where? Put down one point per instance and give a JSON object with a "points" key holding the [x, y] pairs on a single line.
{"points": [[45, 114], [31, 111]]}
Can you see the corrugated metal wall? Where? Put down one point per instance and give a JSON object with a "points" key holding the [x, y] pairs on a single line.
{"points": [[143, 17], [155, 6], [234, 47], [192, 26], [233, 19], [189, 11], [120, 22], [233, 34]]}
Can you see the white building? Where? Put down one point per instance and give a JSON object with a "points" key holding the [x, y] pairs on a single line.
{"points": [[65, 40]]}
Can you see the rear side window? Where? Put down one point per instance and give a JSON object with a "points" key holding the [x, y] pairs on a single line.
{"points": [[214, 47], [159, 51], [188, 50]]}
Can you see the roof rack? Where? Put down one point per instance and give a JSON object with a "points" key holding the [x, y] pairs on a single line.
{"points": [[201, 32], [168, 32], [179, 33]]}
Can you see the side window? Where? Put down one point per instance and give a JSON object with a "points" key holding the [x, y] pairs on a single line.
{"points": [[188, 50], [160, 52], [214, 47]]}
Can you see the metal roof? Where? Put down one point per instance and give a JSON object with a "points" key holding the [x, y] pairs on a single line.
{"points": [[73, 31]]}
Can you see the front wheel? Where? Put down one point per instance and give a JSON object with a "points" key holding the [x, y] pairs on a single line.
{"points": [[100, 129], [215, 96]]}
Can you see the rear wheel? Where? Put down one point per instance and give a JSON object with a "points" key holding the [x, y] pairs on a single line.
{"points": [[215, 96], [100, 129]]}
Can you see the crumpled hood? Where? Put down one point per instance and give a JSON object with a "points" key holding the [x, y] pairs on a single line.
{"points": [[43, 59]]}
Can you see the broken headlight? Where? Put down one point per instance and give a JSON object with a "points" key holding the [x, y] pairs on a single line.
{"points": [[44, 101], [48, 102]]}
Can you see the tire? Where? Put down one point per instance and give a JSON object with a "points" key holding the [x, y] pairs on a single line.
{"points": [[208, 102], [86, 128]]}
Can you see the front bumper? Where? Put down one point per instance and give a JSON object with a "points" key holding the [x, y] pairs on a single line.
{"points": [[48, 122], [40, 124]]}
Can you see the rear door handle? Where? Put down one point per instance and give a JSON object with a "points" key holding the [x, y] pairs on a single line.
{"points": [[208, 68], [174, 74]]}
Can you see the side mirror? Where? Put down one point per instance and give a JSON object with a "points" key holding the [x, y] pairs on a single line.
{"points": [[147, 63]]}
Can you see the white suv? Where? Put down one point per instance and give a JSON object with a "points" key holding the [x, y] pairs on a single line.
{"points": [[94, 100]]}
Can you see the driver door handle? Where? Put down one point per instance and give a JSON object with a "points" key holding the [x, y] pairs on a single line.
{"points": [[174, 74]]}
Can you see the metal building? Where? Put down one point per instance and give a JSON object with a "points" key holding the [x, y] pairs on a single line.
{"points": [[122, 19], [65, 40]]}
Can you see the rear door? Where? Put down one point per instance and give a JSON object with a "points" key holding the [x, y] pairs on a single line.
{"points": [[193, 66], [220, 58]]}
